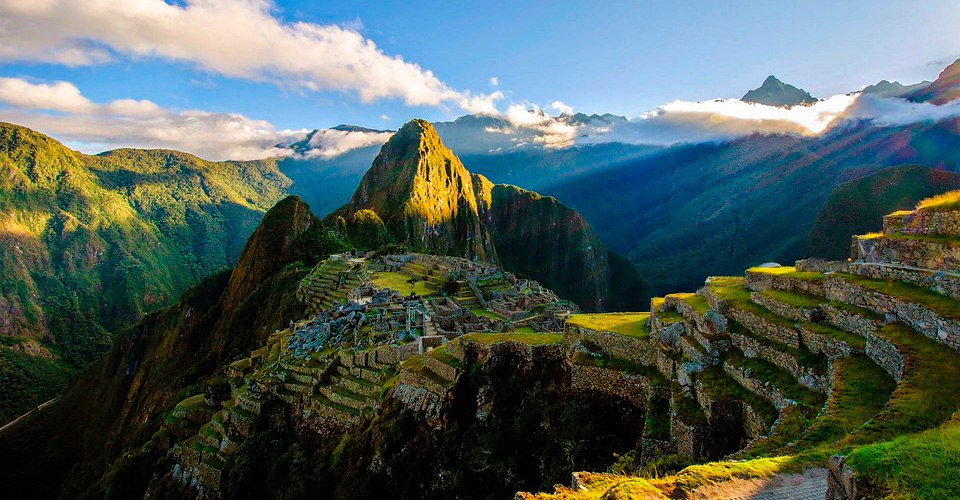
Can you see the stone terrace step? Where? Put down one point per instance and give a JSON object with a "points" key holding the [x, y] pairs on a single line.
{"points": [[928, 312], [716, 390], [343, 396], [359, 385], [784, 278], [925, 252], [804, 366], [943, 282], [795, 306], [772, 382]]}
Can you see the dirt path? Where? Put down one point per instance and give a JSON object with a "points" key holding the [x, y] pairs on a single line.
{"points": [[21, 417], [811, 485]]}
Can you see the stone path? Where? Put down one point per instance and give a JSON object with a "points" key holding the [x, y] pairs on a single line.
{"points": [[27, 414], [811, 485]]}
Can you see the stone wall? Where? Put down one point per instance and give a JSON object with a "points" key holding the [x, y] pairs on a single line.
{"points": [[440, 368], [907, 252], [756, 386], [420, 400], [842, 483], [846, 320], [921, 319], [885, 355], [618, 346], [946, 283], [923, 222], [687, 439], [823, 344], [759, 326], [786, 310], [759, 281], [633, 388]]}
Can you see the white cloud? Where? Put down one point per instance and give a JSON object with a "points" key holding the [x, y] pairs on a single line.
{"points": [[137, 123], [562, 107], [896, 112], [331, 143], [385, 118], [236, 38], [494, 81]]}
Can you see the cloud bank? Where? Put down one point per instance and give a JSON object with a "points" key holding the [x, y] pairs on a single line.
{"points": [[94, 127], [236, 38]]}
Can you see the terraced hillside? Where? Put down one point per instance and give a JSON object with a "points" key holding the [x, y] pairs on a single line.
{"points": [[841, 379]]}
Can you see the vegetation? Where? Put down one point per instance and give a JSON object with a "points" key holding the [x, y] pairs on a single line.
{"points": [[858, 206], [401, 283], [943, 202], [795, 299], [629, 324], [788, 272], [938, 303], [523, 338]]}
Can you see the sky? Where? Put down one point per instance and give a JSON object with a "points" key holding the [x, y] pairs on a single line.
{"points": [[224, 77]]}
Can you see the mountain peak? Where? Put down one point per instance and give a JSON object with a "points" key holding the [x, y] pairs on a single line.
{"points": [[774, 92], [944, 89]]}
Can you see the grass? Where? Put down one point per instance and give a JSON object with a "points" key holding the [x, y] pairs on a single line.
{"points": [[401, 283], [525, 329], [853, 340], [768, 372], [627, 324], [941, 203], [859, 311], [804, 357], [795, 299], [938, 303], [789, 272], [440, 354], [926, 397], [524, 338], [657, 424], [613, 363], [196, 402], [932, 238], [688, 408], [698, 302], [479, 311], [721, 387], [861, 389], [735, 292], [922, 465]]}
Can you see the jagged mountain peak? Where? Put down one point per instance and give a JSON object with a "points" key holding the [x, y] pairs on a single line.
{"points": [[944, 89], [774, 92]]}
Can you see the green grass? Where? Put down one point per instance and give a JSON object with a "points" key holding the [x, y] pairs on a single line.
{"points": [[698, 302], [440, 354], [768, 372], [628, 324], [789, 272], [859, 311], [931, 238], [861, 389], [795, 299], [195, 402], [688, 408], [400, 282], [525, 338], [734, 291], [721, 387], [614, 363], [926, 397], [657, 424], [817, 362], [853, 340], [941, 304], [479, 311], [793, 422], [922, 465]]}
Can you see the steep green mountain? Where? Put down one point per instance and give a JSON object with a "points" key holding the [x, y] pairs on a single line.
{"points": [[697, 210], [89, 244], [419, 193], [855, 206], [119, 401], [773, 92]]}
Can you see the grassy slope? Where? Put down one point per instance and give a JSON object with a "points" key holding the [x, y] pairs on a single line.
{"points": [[858, 206], [89, 244]]}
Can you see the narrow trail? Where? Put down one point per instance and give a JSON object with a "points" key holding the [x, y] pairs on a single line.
{"points": [[25, 415], [811, 485]]}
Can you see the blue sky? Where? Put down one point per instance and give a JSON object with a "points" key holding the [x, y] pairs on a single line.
{"points": [[618, 57]]}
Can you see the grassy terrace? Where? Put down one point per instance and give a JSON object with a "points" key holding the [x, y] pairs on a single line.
{"points": [[853, 340], [699, 303], [721, 387], [401, 283], [795, 299], [320, 399], [941, 304], [524, 338], [628, 324], [789, 272], [861, 389], [735, 292], [817, 362], [613, 363], [926, 397], [441, 355], [479, 311], [768, 372], [931, 238]]}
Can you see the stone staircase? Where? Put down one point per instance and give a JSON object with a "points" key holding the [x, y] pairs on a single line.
{"points": [[421, 268]]}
